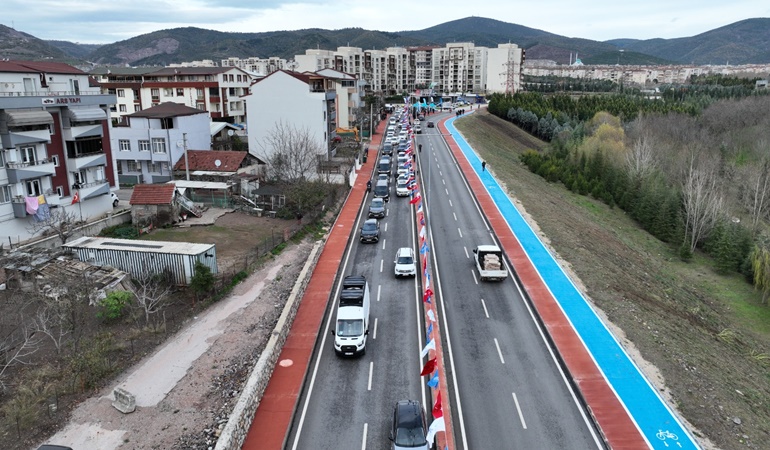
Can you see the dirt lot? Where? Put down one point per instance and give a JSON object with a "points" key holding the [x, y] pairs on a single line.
{"points": [[204, 398], [702, 338]]}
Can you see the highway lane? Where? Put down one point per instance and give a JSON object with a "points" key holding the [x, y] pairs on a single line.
{"points": [[509, 389], [348, 403]]}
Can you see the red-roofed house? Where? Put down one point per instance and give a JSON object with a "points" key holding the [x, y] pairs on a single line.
{"points": [[154, 204]]}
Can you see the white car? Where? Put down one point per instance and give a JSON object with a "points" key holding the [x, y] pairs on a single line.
{"points": [[114, 198], [405, 264], [401, 187]]}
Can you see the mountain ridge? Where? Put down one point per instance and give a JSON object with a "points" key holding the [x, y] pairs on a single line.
{"points": [[743, 42]]}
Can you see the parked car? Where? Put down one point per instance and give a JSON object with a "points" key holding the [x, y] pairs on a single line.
{"points": [[402, 190], [409, 430], [417, 129], [115, 199], [370, 231], [382, 190], [430, 124], [404, 263], [377, 208]]}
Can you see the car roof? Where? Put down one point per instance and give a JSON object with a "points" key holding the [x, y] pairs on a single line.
{"points": [[370, 221], [382, 182], [404, 250], [408, 414]]}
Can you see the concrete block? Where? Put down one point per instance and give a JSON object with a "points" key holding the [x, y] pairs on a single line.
{"points": [[125, 401]]}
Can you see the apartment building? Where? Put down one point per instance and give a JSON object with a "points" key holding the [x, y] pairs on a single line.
{"points": [[349, 98], [217, 90], [460, 67], [54, 146], [148, 143], [259, 67], [295, 102]]}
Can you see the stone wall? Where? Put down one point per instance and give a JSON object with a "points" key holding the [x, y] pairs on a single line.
{"points": [[234, 433]]}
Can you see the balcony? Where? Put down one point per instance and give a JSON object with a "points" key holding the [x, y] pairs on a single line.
{"points": [[20, 171], [92, 189], [80, 161], [19, 204]]}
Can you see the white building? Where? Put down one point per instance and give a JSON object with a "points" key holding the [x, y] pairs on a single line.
{"points": [[304, 102], [259, 66], [350, 97], [154, 139], [460, 68], [54, 145], [504, 69]]}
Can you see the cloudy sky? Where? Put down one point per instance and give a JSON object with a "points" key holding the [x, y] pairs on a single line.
{"points": [[102, 21]]}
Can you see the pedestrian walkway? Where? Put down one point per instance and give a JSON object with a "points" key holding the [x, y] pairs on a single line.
{"points": [[627, 408]]}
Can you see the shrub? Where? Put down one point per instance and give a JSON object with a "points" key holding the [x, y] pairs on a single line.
{"points": [[114, 306]]}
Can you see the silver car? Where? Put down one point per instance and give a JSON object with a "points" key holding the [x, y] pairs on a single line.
{"points": [[409, 429]]}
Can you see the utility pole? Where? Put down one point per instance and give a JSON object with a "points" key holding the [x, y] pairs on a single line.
{"points": [[186, 162]]}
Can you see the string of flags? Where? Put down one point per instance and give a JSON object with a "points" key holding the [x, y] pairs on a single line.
{"points": [[430, 368]]}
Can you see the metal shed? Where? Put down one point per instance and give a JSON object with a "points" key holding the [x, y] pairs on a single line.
{"points": [[130, 255]]}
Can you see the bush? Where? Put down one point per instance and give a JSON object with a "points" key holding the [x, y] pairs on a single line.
{"points": [[114, 306], [124, 231], [203, 280]]}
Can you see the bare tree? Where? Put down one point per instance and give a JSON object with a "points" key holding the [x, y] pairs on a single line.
{"points": [[151, 290], [292, 154], [58, 221], [17, 347], [640, 159], [702, 199]]}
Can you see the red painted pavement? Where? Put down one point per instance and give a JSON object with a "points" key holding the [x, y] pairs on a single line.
{"points": [[618, 430]]}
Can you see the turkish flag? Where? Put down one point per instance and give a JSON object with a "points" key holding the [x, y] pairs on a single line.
{"points": [[437, 410], [428, 368], [75, 198]]}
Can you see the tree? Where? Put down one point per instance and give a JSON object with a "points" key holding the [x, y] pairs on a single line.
{"points": [[640, 159], [58, 221], [755, 191], [702, 200], [291, 153], [17, 346], [203, 280], [760, 264], [151, 289]]}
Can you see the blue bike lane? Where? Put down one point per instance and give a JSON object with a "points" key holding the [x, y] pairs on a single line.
{"points": [[652, 417]]}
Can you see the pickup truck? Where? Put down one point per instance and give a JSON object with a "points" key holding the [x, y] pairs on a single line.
{"points": [[489, 262]]}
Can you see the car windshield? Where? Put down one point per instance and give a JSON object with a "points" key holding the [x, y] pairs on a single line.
{"points": [[350, 328], [405, 260], [377, 203], [410, 435], [369, 226], [401, 185]]}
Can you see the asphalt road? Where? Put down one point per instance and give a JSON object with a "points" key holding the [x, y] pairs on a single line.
{"points": [[507, 389], [348, 403]]}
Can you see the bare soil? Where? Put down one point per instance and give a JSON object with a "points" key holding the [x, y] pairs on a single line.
{"points": [[684, 324]]}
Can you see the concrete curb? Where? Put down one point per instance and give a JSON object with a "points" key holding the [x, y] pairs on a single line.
{"points": [[234, 433]]}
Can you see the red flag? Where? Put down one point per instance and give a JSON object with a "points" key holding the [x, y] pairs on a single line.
{"points": [[76, 198], [428, 368], [437, 410], [415, 199], [428, 294]]}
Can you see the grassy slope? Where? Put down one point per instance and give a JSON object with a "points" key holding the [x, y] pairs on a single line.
{"points": [[707, 335]]}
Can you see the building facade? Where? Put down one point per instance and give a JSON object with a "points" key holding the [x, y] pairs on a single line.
{"points": [[148, 143], [54, 146]]}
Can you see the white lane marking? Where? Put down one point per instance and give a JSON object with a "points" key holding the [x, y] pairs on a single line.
{"points": [[467, 255], [446, 190], [374, 336], [460, 231], [382, 264], [473, 272], [455, 216], [518, 408], [450, 203], [379, 289], [371, 371], [499, 352], [383, 244], [443, 181], [363, 442], [484, 305], [386, 227]]}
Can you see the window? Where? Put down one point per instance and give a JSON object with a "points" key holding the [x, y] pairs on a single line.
{"points": [[60, 191], [155, 94], [168, 92], [239, 78], [166, 123], [134, 166], [158, 145], [180, 92], [28, 155], [144, 146], [122, 108], [213, 91], [157, 167], [5, 194], [231, 91], [121, 92], [124, 145], [55, 160], [33, 188], [198, 93], [2, 158], [137, 108], [80, 177], [200, 105]]}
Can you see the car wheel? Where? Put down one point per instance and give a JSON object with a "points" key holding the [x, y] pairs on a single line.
{"points": [[115, 203]]}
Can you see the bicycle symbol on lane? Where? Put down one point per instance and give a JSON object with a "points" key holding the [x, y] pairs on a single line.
{"points": [[665, 435]]}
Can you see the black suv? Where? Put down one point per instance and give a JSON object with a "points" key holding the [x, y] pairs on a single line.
{"points": [[377, 208], [370, 232], [409, 426]]}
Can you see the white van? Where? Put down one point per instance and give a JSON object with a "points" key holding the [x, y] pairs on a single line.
{"points": [[352, 324]]}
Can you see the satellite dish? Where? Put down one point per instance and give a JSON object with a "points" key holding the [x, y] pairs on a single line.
{"points": [[180, 143], [217, 163], [230, 132]]}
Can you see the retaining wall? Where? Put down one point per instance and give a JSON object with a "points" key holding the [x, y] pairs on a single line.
{"points": [[234, 433]]}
